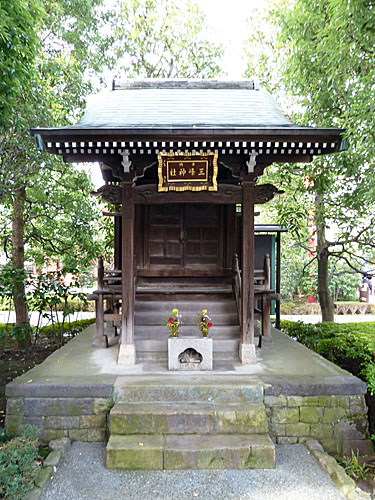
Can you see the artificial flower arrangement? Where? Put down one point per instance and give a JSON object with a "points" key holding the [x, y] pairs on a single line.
{"points": [[205, 323], [174, 323]]}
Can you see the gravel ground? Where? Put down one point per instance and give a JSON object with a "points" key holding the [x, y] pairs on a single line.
{"points": [[82, 475]]}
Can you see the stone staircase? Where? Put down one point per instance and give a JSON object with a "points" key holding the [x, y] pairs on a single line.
{"points": [[185, 422], [151, 335]]}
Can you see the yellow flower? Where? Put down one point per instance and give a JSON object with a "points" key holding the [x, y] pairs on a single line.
{"points": [[204, 310], [175, 311]]}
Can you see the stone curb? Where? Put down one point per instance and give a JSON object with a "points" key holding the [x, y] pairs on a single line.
{"points": [[345, 484], [58, 448]]}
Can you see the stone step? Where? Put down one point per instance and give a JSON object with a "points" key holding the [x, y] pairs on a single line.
{"points": [[186, 307], [190, 387], [188, 418], [179, 452], [189, 319], [150, 345], [160, 331]]}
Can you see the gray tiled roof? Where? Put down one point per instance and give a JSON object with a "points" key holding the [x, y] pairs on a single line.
{"points": [[179, 106]]}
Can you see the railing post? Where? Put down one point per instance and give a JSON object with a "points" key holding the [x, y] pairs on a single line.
{"points": [[266, 302], [99, 339]]}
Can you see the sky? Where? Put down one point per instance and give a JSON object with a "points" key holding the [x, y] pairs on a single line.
{"points": [[227, 24]]}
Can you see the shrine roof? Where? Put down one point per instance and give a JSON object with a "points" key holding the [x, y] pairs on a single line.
{"points": [[184, 105]]}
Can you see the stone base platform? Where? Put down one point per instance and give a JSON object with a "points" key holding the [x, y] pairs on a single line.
{"points": [[176, 452], [305, 396]]}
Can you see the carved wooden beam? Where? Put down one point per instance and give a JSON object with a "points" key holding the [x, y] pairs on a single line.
{"points": [[227, 194], [265, 192], [109, 193]]}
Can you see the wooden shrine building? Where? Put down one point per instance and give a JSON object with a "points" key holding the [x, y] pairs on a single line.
{"points": [[182, 162]]}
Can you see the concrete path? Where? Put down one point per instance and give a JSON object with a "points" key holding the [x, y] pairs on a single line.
{"points": [[82, 475]]}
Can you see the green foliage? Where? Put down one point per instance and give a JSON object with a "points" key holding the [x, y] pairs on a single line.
{"points": [[318, 57], [349, 345], [163, 39], [353, 467], [19, 44], [17, 463]]}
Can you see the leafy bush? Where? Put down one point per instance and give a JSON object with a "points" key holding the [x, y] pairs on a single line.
{"points": [[18, 468], [7, 331], [349, 345]]}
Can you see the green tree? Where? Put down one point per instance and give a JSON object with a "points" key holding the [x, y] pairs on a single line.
{"points": [[163, 39], [324, 56], [50, 93]]}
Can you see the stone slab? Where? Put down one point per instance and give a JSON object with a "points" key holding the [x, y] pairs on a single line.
{"points": [[63, 389], [188, 418], [219, 452], [191, 387], [177, 346], [135, 452]]}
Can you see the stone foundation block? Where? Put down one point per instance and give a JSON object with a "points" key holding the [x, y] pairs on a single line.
{"points": [[15, 406], [247, 354], [285, 415], [126, 355], [52, 434], [78, 434], [102, 405], [58, 406], [275, 401], [62, 422], [95, 435], [135, 453], [298, 429], [311, 414], [333, 414], [322, 431], [92, 421]]}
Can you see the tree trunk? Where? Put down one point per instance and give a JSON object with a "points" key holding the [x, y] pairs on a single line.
{"points": [[18, 261], [325, 298]]}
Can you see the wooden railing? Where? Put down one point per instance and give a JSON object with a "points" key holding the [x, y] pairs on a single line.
{"points": [[236, 284], [262, 291]]}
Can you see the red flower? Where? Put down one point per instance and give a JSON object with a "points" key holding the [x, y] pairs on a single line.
{"points": [[209, 325], [171, 320]]}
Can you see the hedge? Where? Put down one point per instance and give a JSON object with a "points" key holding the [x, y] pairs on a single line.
{"points": [[350, 345]]}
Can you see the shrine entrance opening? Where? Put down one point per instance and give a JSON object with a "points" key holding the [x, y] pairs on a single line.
{"points": [[185, 240]]}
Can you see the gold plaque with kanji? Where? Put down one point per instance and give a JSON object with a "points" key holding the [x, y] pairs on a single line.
{"points": [[187, 172]]}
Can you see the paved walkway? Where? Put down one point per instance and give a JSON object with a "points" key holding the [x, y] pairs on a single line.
{"points": [[82, 475]]}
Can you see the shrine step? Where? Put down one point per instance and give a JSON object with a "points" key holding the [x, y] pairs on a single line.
{"points": [[191, 307], [161, 345], [176, 452], [190, 387], [188, 418]]}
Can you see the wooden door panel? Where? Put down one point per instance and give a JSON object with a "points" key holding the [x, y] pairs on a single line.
{"points": [[180, 238]]}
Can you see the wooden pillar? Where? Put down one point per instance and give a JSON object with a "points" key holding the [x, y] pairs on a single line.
{"points": [[99, 339], [127, 346], [266, 305], [247, 347], [117, 238]]}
